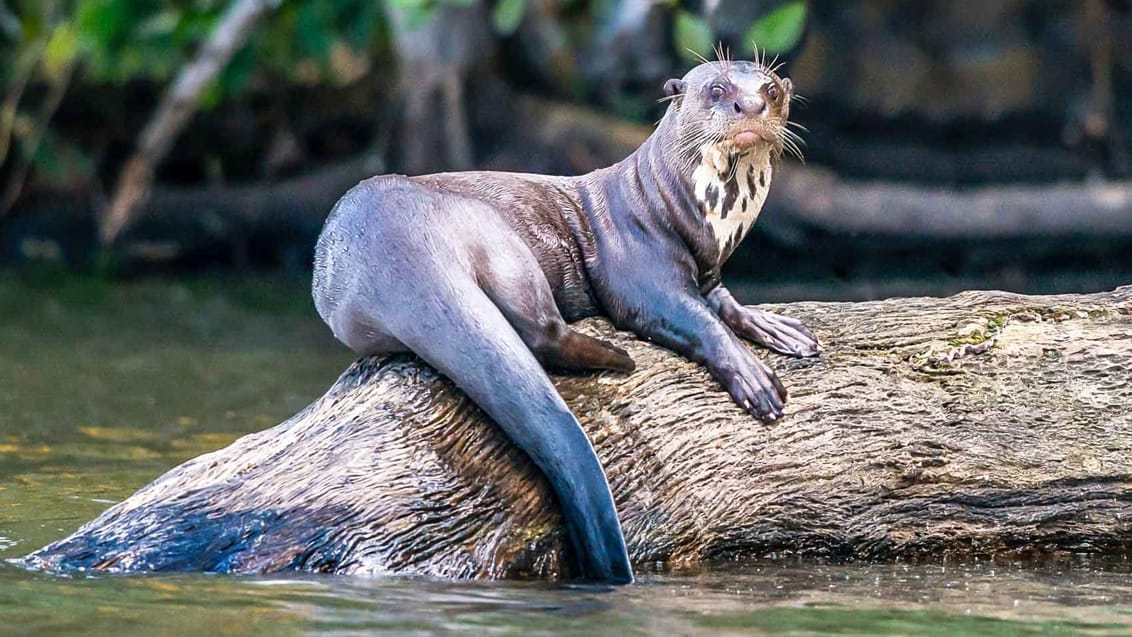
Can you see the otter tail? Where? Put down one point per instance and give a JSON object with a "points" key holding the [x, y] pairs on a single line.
{"points": [[471, 342]]}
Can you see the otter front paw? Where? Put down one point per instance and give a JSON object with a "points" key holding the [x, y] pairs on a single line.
{"points": [[779, 333], [756, 388]]}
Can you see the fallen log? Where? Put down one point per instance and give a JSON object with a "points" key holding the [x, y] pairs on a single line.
{"points": [[984, 423]]}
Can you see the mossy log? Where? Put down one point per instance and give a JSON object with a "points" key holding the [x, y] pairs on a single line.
{"points": [[984, 423]]}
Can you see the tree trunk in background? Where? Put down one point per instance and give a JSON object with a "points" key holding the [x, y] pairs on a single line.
{"points": [[179, 104], [436, 61], [985, 423]]}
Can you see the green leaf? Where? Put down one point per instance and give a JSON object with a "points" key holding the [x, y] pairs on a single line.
{"points": [[417, 14], [779, 30], [61, 49], [102, 24], [235, 75], [62, 161], [316, 30], [507, 15], [693, 35], [159, 25]]}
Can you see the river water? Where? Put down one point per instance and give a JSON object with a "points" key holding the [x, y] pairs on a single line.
{"points": [[104, 386]]}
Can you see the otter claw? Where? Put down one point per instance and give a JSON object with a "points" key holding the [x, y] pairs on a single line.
{"points": [[757, 390], [781, 334]]}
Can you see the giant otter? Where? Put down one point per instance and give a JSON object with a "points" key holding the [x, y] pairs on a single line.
{"points": [[479, 274]]}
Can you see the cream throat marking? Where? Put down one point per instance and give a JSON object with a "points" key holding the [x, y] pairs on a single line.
{"points": [[731, 188]]}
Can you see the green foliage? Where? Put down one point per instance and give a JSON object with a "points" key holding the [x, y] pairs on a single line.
{"points": [[507, 15], [692, 34], [779, 30], [121, 41], [60, 51], [118, 40], [60, 42], [775, 32]]}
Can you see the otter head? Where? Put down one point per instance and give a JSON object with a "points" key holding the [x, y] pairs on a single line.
{"points": [[728, 123], [738, 106]]}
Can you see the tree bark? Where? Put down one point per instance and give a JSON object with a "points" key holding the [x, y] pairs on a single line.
{"points": [[984, 423]]}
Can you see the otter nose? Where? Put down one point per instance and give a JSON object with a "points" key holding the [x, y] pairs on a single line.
{"points": [[750, 105]]}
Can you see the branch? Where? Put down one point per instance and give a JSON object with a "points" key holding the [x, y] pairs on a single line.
{"points": [[985, 423], [815, 198], [178, 105], [31, 142]]}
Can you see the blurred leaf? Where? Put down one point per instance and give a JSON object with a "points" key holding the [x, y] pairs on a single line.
{"points": [[211, 95], [362, 27], [779, 30], [60, 51], [507, 15], [194, 27], [235, 75], [316, 29], [413, 12], [10, 26], [162, 24], [693, 35], [32, 25], [61, 161], [101, 24]]}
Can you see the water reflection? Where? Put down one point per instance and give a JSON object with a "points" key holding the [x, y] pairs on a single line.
{"points": [[1077, 596]]}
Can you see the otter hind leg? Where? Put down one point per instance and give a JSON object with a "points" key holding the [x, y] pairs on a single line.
{"points": [[523, 295], [560, 347]]}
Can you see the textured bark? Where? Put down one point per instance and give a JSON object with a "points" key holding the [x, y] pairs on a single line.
{"points": [[984, 423]]}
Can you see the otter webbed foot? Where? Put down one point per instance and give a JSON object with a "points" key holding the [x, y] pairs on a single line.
{"points": [[754, 387], [778, 333]]}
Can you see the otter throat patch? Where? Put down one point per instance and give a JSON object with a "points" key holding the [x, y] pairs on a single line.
{"points": [[731, 189]]}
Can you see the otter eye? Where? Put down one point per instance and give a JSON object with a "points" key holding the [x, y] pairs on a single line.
{"points": [[717, 91], [772, 92]]}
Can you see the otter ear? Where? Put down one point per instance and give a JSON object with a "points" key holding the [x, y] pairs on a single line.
{"points": [[788, 86], [674, 87]]}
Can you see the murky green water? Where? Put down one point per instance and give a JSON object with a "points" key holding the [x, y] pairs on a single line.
{"points": [[105, 386]]}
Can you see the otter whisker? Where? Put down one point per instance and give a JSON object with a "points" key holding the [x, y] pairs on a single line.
{"points": [[694, 145], [790, 142], [692, 136], [734, 167], [688, 142], [698, 56], [724, 56], [774, 65], [692, 148], [798, 126]]}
